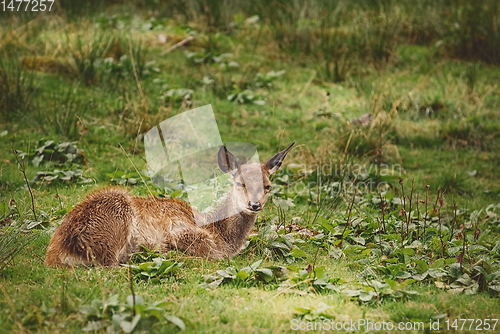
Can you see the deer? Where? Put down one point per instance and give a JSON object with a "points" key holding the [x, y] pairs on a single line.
{"points": [[111, 224]]}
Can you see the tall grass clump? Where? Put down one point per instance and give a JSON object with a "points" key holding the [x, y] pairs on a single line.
{"points": [[207, 15], [372, 141], [12, 242], [473, 31], [66, 111], [84, 51], [73, 10], [339, 35], [16, 89], [105, 57], [13, 236], [470, 132]]}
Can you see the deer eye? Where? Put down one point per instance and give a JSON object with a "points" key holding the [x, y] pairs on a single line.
{"points": [[268, 187], [239, 184]]}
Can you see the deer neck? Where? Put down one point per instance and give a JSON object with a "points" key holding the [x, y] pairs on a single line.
{"points": [[229, 225]]}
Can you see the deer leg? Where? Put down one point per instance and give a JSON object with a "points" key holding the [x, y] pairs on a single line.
{"points": [[195, 241]]}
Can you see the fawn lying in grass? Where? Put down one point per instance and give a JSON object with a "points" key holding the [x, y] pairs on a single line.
{"points": [[111, 224]]}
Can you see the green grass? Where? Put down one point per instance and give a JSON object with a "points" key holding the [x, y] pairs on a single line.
{"points": [[97, 76]]}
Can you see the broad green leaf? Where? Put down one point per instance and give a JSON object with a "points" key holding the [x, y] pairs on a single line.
{"points": [[138, 300], [158, 262], [452, 251], [392, 237], [455, 270], [97, 304], [325, 224], [320, 272], [242, 274], [335, 252], [223, 273], [129, 326], [403, 275], [301, 310], [434, 273], [366, 296], [276, 244], [366, 252], [176, 321], [465, 280], [112, 301], [176, 193], [296, 252], [37, 160], [421, 266], [214, 284], [94, 326], [359, 240], [439, 263], [117, 318], [420, 277], [393, 284], [476, 248], [256, 264], [88, 310], [407, 282], [481, 271], [394, 260], [264, 273], [472, 290], [146, 266]]}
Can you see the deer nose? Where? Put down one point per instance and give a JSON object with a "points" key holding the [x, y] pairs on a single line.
{"points": [[254, 205]]}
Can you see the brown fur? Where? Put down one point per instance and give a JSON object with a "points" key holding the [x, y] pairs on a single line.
{"points": [[110, 224]]}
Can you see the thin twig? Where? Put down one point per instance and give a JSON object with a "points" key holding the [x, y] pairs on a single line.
{"points": [[463, 249], [308, 83], [404, 212], [314, 263], [382, 206], [131, 280], [349, 217], [380, 236], [418, 220], [150, 192], [454, 220], [23, 170], [59, 198], [38, 257], [426, 211], [439, 221], [178, 45], [408, 220]]}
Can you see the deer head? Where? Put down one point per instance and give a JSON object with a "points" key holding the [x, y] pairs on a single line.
{"points": [[251, 180]]}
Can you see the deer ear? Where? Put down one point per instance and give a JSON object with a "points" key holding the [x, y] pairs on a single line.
{"points": [[227, 161], [273, 164]]}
